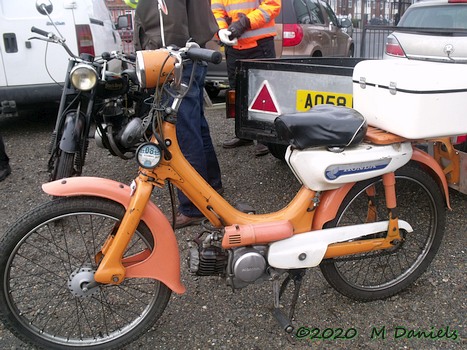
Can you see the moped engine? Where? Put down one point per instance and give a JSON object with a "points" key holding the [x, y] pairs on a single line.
{"points": [[248, 266], [241, 266]]}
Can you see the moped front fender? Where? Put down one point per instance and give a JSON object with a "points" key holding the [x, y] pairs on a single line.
{"points": [[164, 262], [330, 201]]}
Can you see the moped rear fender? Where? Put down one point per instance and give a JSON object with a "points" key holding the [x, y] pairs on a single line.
{"points": [[72, 131], [330, 201], [164, 262]]}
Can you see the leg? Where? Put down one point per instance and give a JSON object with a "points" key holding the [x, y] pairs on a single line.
{"points": [[5, 169], [195, 140]]}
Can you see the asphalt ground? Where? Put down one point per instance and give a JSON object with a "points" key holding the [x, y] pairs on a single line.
{"points": [[209, 315]]}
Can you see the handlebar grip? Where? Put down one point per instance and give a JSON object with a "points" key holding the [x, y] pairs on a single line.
{"points": [[198, 54], [39, 31], [131, 57]]}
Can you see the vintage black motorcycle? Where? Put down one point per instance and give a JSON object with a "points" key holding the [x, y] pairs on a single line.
{"points": [[99, 103]]}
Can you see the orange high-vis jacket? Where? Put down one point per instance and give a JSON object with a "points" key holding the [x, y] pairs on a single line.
{"points": [[261, 14]]}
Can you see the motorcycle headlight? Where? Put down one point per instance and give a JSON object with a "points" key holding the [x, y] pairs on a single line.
{"points": [[83, 77], [154, 67]]}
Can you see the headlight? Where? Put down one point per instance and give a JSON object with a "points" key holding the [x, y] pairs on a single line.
{"points": [[154, 67], [83, 77], [148, 155]]}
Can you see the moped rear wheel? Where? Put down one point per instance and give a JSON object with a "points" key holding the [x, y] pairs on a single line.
{"points": [[46, 261], [381, 274]]}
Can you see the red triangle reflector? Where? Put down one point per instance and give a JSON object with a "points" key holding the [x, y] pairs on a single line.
{"points": [[264, 100]]}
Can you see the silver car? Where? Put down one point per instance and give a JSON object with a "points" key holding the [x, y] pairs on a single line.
{"points": [[431, 30]]}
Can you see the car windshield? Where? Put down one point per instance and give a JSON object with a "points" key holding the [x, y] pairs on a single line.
{"points": [[447, 17]]}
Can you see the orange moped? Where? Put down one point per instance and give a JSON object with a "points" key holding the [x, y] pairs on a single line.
{"points": [[95, 266]]}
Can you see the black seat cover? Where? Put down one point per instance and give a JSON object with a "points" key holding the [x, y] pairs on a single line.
{"points": [[323, 125]]}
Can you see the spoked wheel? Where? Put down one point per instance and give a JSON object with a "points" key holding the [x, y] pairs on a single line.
{"points": [[47, 264], [380, 274]]}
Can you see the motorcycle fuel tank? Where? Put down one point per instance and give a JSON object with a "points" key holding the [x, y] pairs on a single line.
{"points": [[320, 169]]}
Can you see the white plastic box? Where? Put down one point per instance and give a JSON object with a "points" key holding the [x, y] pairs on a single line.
{"points": [[413, 99]]}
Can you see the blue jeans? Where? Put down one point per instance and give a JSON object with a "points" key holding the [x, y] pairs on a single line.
{"points": [[194, 137]]}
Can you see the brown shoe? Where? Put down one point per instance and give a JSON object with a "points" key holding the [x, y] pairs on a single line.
{"points": [[261, 150], [236, 142], [182, 220]]}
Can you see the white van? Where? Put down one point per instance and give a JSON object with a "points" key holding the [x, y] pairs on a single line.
{"points": [[31, 70]]}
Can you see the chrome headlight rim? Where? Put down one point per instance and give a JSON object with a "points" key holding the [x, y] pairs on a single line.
{"points": [[140, 69], [83, 77]]}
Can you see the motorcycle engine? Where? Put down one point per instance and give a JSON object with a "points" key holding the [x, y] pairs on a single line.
{"points": [[241, 266], [122, 133]]}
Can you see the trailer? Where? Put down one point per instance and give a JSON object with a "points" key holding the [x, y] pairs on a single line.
{"points": [[267, 88]]}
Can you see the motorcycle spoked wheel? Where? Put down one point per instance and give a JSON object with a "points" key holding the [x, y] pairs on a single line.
{"points": [[381, 274], [64, 165], [45, 259]]}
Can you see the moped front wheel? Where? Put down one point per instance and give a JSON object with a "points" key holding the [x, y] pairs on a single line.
{"points": [[47, 261], [381, 274]]}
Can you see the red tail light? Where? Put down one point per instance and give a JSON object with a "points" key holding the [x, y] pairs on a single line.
{"points": [[393, 48], [292, 34], [230, 104], [84, 37]]}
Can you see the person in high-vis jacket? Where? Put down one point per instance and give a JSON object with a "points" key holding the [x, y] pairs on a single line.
{"points": [[247, 29]]}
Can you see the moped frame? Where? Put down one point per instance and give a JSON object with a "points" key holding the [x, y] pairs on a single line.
{"points": [[303, 212]]}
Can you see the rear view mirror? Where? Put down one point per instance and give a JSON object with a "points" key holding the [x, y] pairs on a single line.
{"points": [[124, 22], [44, 7]]}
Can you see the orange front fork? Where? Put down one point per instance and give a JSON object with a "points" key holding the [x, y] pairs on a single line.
{"points": [[111, 270]]}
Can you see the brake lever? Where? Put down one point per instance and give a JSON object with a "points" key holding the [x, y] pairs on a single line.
{"points": [[178, 69], [43, 39]]}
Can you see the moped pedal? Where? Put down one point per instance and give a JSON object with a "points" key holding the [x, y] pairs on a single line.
{"points": [[283, 320]]}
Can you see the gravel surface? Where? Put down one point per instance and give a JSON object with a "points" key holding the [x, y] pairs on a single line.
{"points": [[209, 315]]}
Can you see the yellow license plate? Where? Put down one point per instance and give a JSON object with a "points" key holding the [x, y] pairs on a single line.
{"points": [[307, 99]]}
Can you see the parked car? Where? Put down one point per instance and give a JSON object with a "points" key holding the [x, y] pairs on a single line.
{"points": [[431, 30], [346, 25], [307, 28], [434, 30], [32, 71]]}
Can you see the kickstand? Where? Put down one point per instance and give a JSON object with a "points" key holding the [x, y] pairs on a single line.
{"points": [[286, 321]]}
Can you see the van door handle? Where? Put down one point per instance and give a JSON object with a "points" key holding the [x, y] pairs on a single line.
{"points": [[9, 40]]}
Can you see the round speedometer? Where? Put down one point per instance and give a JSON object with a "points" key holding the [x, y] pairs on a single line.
{"points": [[148, 155]]}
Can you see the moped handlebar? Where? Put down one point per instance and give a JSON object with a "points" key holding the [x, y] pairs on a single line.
{"points": [[41, 32], [199, 54]]}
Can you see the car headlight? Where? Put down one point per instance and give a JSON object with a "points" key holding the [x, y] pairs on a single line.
{"points": [[154, 67], [83, 77]]}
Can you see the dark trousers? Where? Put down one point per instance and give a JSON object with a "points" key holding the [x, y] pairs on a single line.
{"points": [[265, 49], [194, 137], [3, 157]]}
